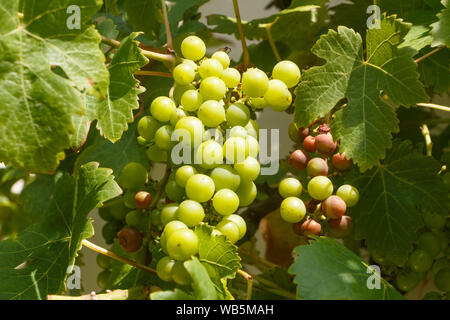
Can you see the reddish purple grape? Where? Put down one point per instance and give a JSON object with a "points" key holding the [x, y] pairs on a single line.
{"points": [[325, 143], [303, 133], [130, 239], [142, 200], [311, 228], [334, 207], [298, 159], [341, 227], [309, 144], [340, 162], [317, 167], [324, 128]]}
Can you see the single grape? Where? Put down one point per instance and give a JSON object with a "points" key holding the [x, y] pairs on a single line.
{"points": [[252, 146], [340, 162], [223, 58], [317, 167], [169, 213], [290, 187], [200, 188], [432, 295], [142, 199], [225, 202], [191, 213], [103, 278], [210, 68], [248, 169], [141, 141], [191, 100], [128, 199], [177, 115], [156, 154], [293, 132], [190, 128], [406, 281], [212, 88], [211, 113], [341, 227], [182, 244], [349, 194], [133, 175], [183, 174], [229, 229], [193, 64], [110, 230], [430, 242], [130, 239], [288, 72], [325, 143], [137, 219], [155, 218], [183, 74], [334, 207], [193, 48], [278, 96], [231, 77], [209, 154], [173, 191], [254, 83], [103, 261], [164, 268], [240, 223], [420, 261], [434, 220], [311, 228], [118, 211], [162, 108], [237, 114], [320, 188], [179, 90], [258, 103], [247, 193], [238, 131], [225, 177], [440, 263], [442, 280], [252, 129], [309, 144], [180, 275], [147, 127], [235, 150], [298, 160], [173, 226], [292, 209], [163, 137]]}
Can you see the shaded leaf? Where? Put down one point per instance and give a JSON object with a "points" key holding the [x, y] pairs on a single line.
{"points": [[441, 29]]}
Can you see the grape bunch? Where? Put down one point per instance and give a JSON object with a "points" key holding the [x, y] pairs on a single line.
{"points": [[309, 211], [206, 134]]}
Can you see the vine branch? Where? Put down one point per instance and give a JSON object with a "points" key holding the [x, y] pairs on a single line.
{"points": [[167, 26], [428, 142], [268, 27], [242, 35], [428, 54], [248, 277], [434, 106]]}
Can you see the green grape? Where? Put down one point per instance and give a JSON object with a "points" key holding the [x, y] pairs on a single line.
{"points": [[191, 100], [118, 211], [173, 226], [180, 275], [406, 281], [211, 113], [183, 74], [193, 127], [238, 131], [191, 213], [225, 202], [430, 243], [209, 154], [105, 214], [137, 219], [258, 103], [133, 175], [248, 169], [349, 194], [237, 114], [278, 96], [442, 280], [177, 115], [193, 48], [442, 262], [254, 83], [164, 268], [252, 129], [231, 77], [290, 187], [252, 146], [225, 177], [320, 188], [420, 261], [103, 278], [240, 223], [147, 127], [229, 229], [432, 295], [247, 193], [128, 199], [183, 174], [212, 88], [156, 154], [182, 244], [162, 108], [210, 68], [179, 90], [163, 137], [173, 191], [155, 217], [200, 188], [235, 150], [434, 220], [141, 141], [288, 72], [169, 213], [444, 237], [317, 167], [103, 261], [222, 57], [142, 256], [292, 210]]}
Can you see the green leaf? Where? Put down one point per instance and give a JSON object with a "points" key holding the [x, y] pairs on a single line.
{"points": [[325, 269], [201, 283], [35, 264], [145, 15], [441, 29], [366, 123], [35, 197], [116, 111], [435, 70], [391, 196], [177, 294], [37, 103]]}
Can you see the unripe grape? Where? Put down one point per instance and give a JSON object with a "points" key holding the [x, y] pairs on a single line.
{"points": [[191, 126], [442, 280], [193, 48], [211, 113], [340, 162], [341, 227], [133, 175], [200, 188], [240, 223], [147, 127], [237, 114], [163, 137], [334, 207], [238, 131], [128, 199], [191, 213], [130, 239], [254, 83], [320, 188], [209, 154], [247, 193], [440, 263], [169, 213], [156, 154], [325, 143], [294, 132], [278, 96], [183, 74], [231, 77], [191, 100], [290, 187], [179, 90], [180, 275], [349, 194], [173, 226], [229, 229], [222, 57], [317, 167], [298, 159], [182, 244], [235, 150], [430, 242], [173, 191], [162, 108], [258, 103], [137, 219], [252, 146], [109, 231], [434, 220], [212, 88], [177, 115], [183, 174], [420, 261], [311, 227], [288, 72], [103, 261], [432, 295], [103, 278], [309, 144], [248, 169], [164, 268], [292, 209], [225, 177], [406, 281], [252, 129], [210, 68], [225, 202]]}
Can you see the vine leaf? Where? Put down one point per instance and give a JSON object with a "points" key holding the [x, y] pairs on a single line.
{"points": [[435, 70], [325, 269], [441, 29], [202, 285], [115, 112], [35, 263], [364, 126], [145, 15], [387, 215], [44, 66]]}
